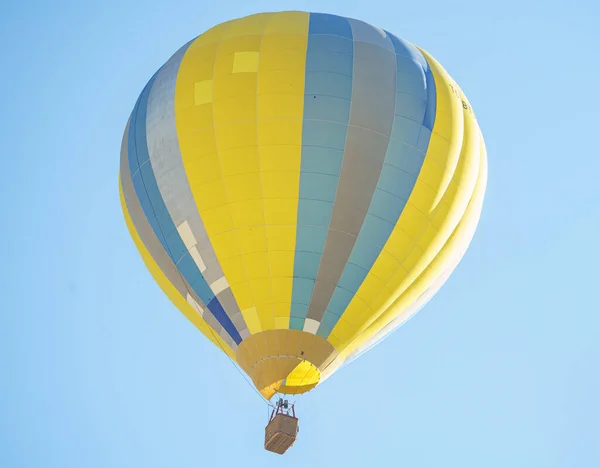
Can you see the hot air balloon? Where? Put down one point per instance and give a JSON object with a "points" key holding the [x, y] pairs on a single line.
{"points": [[300, 184]]}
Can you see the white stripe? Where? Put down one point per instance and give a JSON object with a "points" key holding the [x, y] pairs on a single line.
{"points": [[187, 236], [219, 285], [198, 259]]}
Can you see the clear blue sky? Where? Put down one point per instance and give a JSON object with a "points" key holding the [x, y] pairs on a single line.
{"points": [[99, 370]]}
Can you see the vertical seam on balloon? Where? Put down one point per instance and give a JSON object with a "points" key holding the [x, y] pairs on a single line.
{"points": [[260, 184], [306, 18], [223, 178], [347, 125], [299, 175]]}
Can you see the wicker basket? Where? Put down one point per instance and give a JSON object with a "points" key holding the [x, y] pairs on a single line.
{"points": [[280, 433]]}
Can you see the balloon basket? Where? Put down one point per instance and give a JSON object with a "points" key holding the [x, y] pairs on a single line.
{"points": [[282, 430]]}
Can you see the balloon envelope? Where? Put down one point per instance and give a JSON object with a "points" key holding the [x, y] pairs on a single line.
{"points": [[299, 184]]}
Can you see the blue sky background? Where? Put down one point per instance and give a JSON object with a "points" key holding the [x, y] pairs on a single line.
{"points": [[99, 370]]}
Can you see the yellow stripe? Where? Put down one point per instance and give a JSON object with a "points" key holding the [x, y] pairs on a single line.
{"points": [[238, 106], [459, 237], [434, 209], [176, 298]]}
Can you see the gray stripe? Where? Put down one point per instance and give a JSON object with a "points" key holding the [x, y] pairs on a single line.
{"points": [[155, 248], [370, 126], [165, 155], [364, 32]]}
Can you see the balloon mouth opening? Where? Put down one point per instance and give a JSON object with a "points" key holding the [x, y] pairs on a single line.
{"points": [[284, 361], [303, 378]]}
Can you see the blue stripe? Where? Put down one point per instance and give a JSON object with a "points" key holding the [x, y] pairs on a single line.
{"points": [[328, 93], [429, 118], [411, 131], [153, 205], [323, 23], [417, 81]]}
